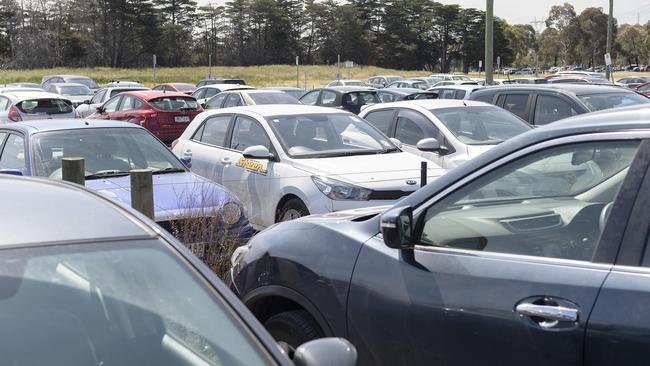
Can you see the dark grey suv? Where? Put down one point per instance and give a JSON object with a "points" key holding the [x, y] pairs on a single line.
{"points": [[534, 253]]}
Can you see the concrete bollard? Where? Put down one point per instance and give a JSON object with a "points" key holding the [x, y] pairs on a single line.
{"points": [[73, 170], [142, 191]]}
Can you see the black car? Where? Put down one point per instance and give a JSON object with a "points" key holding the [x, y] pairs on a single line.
{"points": [[236, 98], [533, 253], [350, 98], [542, 104], [220, 81], [86, 281]]}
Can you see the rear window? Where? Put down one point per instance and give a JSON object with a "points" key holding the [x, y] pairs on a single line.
{"points": [[273, 98], [44, 106], [234, 81], [85, 81], [174, 103], [75, 90]]}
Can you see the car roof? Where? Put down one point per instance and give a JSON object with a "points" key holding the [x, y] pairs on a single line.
{"points": [[457, 87], [24, 95], [62, 212], [283, 88], [401, 91], [578, 89], [46, 125], [268, 110], [65, 76], [346, 89], [255, 91], [151, 94], [434, 103], [68, 84]]}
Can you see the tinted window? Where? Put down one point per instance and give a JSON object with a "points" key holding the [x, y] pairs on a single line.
{"points": [[159, 87], [361, 98], [13, 154], [44, 106], [537, 205], [74, 90], [310, 98], [460, 94], [485, 97], [381, 119], [328, 98], [199, 94], [386, 97], [597, 102], [175, 103], [216, 101], [233, 100], [209, 92], [413, 127], [273, 98], [645, 88], [215, 130], [516, 104], [550, 109], [247, 133]]}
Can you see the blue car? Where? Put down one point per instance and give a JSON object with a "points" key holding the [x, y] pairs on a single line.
{"points": [[196, 210]]}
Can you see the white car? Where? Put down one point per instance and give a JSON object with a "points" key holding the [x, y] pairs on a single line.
{"points": [[102, 96], [26, 105], [289, 161], [454, 82], [461, 129], [346, 83], [203, 93], [455, 91], [74, 92]]}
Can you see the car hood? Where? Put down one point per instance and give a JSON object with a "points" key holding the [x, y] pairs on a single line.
{"points": [[175, 194], [358, 214], [385, 171]]}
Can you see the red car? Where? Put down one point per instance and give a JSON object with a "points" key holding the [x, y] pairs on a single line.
{"points": [[644, 88], [184, 88], [165, 114]]}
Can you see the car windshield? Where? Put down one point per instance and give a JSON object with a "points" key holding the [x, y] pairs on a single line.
{"points": [[90, 83], [45, 106], [328, 135], [75, 90], [295, 93], [273, 98], [174, 103], [106, 151], [598, 102], [115, 303], [184, 87], [481, 125]]}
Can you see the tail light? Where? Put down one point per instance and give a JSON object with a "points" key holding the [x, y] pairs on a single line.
{"points": [[174, 143], [13, 114]]}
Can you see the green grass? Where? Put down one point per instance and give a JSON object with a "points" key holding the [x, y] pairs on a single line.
{"points": [[259, 76]]}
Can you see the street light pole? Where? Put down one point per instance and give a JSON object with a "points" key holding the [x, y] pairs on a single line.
{"points": [[489, 41], [610, 25]]}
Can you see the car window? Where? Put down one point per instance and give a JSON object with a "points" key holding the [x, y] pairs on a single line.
{"points": [[548, 204], [159, 87], [210, 92], [4, 103], [446, 94], [327, 98], [13, 154], [413, 127], [516, 104], [127, 103], [278, 97], [97, 98], [174, 103], [2, 138], [550, 109], [460, 94], [597, 102], [310, 98], [248, 132], [216, 102], [381, 119], [644, 88], [214, 131], [45, 106], [111, 105], [199, 94], [386, 97], [233, 100]]}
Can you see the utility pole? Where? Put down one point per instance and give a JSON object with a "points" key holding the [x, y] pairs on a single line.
{"points": [[610, 25], [489, 41]]}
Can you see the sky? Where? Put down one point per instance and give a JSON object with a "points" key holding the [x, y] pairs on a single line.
{"points": [[527, 11]]}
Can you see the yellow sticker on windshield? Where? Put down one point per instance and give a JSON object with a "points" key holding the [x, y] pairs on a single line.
{"points": [[251, 165]]}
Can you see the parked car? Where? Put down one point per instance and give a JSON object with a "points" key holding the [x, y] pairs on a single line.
{"points": [[203, 93], [111, 149], [381, 81], [387, 95], [451, 77], [349, 98], [20, 89], [577, 73], [454, 82], [76, 93], [462, 130], [542, 104], [23, 85], [455, 91], [532, 253], [633, 82], [25, 105], [644, 88], [481, 82], [294, 92], [289, 161], [428, 80], [530, 80], [346, 83], [123, 84], [184, 88], [78, 79], [166, 115], [88, 282], [102, 96], [408, 83], [205, 82], [235, 98]]}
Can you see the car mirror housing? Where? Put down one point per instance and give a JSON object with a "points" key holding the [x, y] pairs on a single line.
{"points": [[326, 351], [429, 145], [396, 142], [257, 152], [11, 172], [397, 227]]}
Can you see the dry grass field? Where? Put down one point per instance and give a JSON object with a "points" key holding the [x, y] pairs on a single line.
{"points": [[259, 76]]}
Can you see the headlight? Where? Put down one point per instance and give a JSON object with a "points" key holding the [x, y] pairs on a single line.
{"points": [[231, 213], [338, 190], [238, 254]]}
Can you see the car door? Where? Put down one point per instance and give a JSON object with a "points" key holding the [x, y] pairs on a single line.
{"points": [[248, 179], [209, 148], [411, 127], [124, 109], [508, 261]]}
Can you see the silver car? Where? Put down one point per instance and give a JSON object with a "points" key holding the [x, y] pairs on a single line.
{"points": [[79, 79], [203, 93], [103, 95], [76, 93], [26, 105]]}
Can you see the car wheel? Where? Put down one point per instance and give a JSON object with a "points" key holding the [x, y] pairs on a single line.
{"points": [[293, 328], [293, 209]]}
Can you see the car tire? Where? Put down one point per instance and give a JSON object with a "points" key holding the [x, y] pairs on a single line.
{"points": [[293, 328], [292, 209]]}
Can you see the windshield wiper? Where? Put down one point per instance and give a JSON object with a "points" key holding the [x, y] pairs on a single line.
{"points": [[169, 170], [349, 153], [106, 173]]}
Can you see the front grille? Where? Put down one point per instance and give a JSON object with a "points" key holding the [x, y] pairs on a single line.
{"points": [[388, 195]]}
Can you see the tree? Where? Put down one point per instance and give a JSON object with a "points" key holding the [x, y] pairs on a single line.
{"points": [[549, 47], [633, 42]]}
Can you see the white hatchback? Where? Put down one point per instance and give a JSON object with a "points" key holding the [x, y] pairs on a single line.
{"points": [[288, 161]]}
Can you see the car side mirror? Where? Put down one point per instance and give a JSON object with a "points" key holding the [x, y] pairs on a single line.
{"points": [[87, 101], [397, 227], [11, 172], [100, 110], [186, 159], [429, 145], [396, 142], [257, 152], [326, 351]]}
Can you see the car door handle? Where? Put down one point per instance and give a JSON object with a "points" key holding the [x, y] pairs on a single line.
{"points": [[549, 312], [226, 161]]}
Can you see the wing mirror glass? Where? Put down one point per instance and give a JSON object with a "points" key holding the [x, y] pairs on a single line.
{"points": [[257, 152], [326, 351], [397, 227], [429, 145]]}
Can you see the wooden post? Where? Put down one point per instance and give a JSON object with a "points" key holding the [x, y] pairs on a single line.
{"points": [[142, 191], [73, 170]]}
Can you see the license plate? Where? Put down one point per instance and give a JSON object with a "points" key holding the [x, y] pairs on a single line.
{"points": [[182, 119]]}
